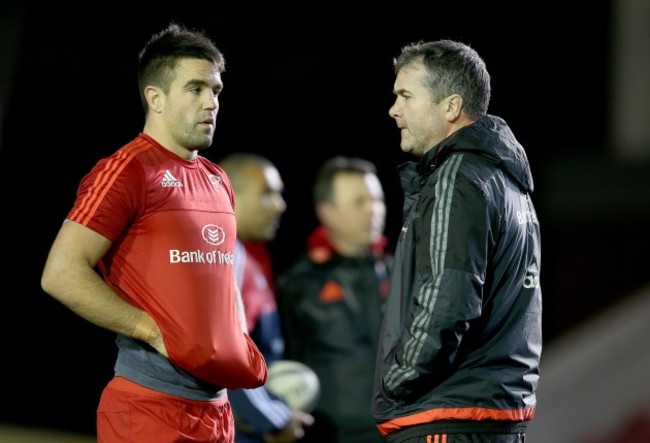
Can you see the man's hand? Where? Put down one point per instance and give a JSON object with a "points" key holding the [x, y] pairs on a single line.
{"points": [[293, 431], [147, 330], [158, 344]]}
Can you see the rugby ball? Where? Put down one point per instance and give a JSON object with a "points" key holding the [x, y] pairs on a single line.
{"points": [[295, 383]]}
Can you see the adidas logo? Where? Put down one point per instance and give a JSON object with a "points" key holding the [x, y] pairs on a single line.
{"points": [[169, 181], [216, 180]]}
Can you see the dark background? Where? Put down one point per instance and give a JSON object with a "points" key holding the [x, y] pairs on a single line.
{"points": [[301, 84]]}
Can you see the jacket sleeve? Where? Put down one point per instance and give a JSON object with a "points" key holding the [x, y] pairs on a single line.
{"points": [[258, 411], [450, 261], [293, 290]]}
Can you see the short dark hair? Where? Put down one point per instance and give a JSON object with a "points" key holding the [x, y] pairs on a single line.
{"points": [[237, 164], [158, 59], [323, 184], [452, 68]]}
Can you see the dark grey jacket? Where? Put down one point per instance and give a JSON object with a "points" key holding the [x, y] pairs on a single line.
{"points": [[461, 338], [331, 309]]}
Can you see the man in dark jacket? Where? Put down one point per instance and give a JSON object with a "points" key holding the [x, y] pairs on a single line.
{"points": [[461, 338], [331, 300]]}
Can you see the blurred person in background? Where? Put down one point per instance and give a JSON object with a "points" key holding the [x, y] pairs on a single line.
{"points": [[261, 417], [332, 299]]}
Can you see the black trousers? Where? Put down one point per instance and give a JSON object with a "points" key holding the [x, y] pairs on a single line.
{"points": [[468, 438], [461, 432]]}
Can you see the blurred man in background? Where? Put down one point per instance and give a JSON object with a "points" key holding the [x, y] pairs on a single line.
{"points": [[331, 300], [260, 416]]}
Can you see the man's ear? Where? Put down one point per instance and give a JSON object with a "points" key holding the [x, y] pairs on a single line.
{"points": [[155, 99], [323, 211], [454, 107]]}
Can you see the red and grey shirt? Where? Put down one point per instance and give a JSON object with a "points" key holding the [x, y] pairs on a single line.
{"points": [[173, 230]]}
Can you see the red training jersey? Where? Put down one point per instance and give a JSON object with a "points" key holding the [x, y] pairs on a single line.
{"points": [[173, 230]]}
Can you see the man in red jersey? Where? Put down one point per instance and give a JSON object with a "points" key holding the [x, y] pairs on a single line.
{"points": [[157, 219]]}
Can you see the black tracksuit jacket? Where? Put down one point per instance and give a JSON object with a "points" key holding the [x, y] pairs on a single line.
{"points": [[331, 309], [461, 338]]}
